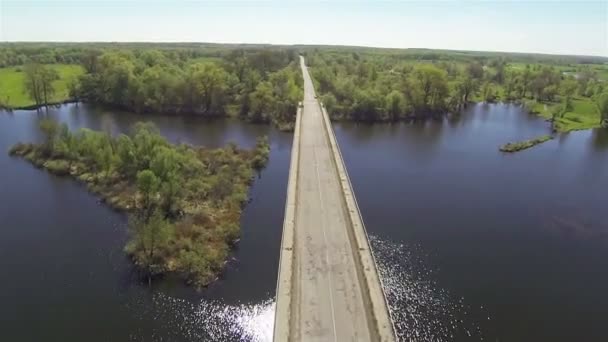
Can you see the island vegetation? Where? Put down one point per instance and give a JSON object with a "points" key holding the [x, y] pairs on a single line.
{"points": [[522, 145], [184, 202]]}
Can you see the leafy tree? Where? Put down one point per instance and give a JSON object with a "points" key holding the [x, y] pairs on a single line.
{"points": [[602, 104], [475, 70], [395, 104], [433, 86], [568, 87], [50, 129], [149, 237], [39, 83], [209, 81], [488, 92], [261, 100], [329, 100], [148, 186]]}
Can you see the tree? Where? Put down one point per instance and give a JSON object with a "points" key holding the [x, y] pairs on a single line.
{"points": [[487, 92], [127, 159], [602, 105], [395, 105], [262, 100], [149, 237], [209, 81], [465, 86], [147, 185], [166, 164], [48, 76], [568, 87], [33, 84], [475, 70], [49, 128], [367, 106], [432, 82], [329, 101]]}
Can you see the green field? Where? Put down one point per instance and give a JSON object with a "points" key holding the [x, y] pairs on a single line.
{"points": [[584, 115], [12, 91]]}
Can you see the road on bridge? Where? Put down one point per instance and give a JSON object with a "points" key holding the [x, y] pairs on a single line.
{"points": [[327, 299]]}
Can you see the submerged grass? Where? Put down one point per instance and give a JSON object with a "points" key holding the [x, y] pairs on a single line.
{"points": [[522, 145]]}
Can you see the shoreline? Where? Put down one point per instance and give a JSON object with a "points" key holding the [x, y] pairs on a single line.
{"points": [[202, 226]]}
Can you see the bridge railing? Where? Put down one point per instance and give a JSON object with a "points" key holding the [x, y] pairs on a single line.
{"points": [[282, 321]]}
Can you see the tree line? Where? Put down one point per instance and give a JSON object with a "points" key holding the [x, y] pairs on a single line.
{"points": [[389, 87], [264, 86], [257, 84]]}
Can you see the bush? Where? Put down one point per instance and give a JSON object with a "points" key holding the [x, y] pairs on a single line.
{"points": [[58, 166]]}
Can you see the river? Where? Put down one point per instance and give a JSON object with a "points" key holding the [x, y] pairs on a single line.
{"points": [[472, 244]]}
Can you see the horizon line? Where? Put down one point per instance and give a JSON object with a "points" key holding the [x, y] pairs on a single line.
{"points": [[293, 44]]}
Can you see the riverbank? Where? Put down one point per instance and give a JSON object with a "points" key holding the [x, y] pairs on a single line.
{"points": [[581, 115], [184, 202], [13, 95]]}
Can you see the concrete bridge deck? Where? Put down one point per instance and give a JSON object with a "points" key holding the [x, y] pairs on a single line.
{"points": [[328, 287]]}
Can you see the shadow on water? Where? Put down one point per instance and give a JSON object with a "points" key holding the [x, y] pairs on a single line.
{"points": [[600, 139]]}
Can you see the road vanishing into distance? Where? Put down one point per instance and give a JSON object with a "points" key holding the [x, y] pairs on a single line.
{"points": [[328, 287]]}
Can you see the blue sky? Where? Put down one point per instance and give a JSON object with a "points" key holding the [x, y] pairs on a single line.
{"points": [[523, 26]]}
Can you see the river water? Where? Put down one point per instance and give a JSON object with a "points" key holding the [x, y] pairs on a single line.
{"points": [[472, 244]]}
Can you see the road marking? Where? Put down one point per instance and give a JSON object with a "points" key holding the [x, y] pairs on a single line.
{"points": [[331, 296]]}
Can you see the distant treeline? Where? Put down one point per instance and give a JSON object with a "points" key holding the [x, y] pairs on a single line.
{"points": [[388, 86], [261, 84]]}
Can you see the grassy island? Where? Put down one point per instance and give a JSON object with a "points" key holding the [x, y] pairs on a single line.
{"points": [[522, 145], [184, 202]]}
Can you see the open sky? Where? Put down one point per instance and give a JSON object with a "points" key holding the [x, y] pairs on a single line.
{"points": [[579, 27]]}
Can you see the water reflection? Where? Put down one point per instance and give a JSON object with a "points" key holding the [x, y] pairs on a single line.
{"points": [[599, 139], [421, 310], [216, 320]]}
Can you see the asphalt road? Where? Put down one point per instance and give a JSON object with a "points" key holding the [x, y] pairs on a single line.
{"points": [[327, 302]]}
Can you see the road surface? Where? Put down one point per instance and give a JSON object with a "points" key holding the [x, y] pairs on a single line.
{"points": [[327, 293]]}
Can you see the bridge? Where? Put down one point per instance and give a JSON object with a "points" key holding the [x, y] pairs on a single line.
{"points": [[328, 287]]}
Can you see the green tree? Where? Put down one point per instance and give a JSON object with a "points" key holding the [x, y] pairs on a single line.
{"points": [[487, 92], [210, 82], [262, 102], [48, 76], [39, 83], [50, 129], [148, 186], [602, 105], [149, 237], [395, 105], [433, 86]]}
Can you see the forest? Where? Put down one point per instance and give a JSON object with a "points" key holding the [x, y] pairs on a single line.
{"points": [[259, 84], [374, 85], [184, 202], [263, 83]]}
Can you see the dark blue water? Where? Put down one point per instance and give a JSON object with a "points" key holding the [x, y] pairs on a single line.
{"points": [[505, 247], [65, 276], [473, 244]]}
